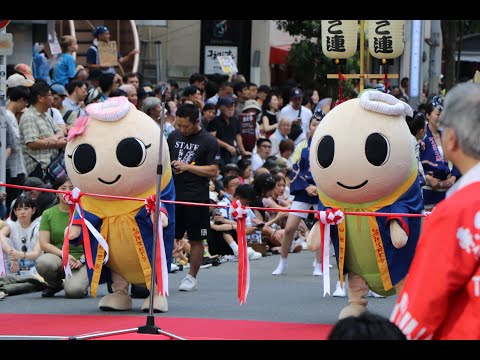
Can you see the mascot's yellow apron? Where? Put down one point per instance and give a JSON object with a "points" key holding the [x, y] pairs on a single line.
{"points": [[127, 253]]}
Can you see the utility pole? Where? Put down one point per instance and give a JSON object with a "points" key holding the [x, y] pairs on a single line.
{"points": [[4, 49], [435, 57], [415, 82]]}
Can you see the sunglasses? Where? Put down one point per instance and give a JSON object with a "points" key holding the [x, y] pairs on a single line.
{"points": [[24, 241]]}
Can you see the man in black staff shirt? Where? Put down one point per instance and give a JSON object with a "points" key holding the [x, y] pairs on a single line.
{"points": [[195, 156]]}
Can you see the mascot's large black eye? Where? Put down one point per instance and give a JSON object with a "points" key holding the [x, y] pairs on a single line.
{"points": [[326, 151], [84, 158], [377, 149], [131, 152]]}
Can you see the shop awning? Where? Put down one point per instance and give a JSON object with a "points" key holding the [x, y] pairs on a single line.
{"points": [[278, 54], [470, 56]]}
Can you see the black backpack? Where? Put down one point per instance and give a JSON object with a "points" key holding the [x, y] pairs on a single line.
{"points": [[296, 128]]}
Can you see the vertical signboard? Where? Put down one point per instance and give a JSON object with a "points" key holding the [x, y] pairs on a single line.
{"points": [[225, 38]]}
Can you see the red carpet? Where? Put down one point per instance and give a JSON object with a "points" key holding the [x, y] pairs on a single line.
{"points": [[187, 328]]}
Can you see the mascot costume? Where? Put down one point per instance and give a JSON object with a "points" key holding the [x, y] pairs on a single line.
{"points": [[362, 160], [114, 151]]}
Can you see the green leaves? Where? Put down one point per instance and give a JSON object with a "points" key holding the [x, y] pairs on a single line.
{"points": [[306, 56]]}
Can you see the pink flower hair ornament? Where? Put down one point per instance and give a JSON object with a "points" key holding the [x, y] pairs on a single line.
{"points": [[78, 127]]}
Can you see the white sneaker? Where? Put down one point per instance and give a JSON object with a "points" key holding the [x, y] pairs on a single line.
{"points": [[252, 254], [231, 258], [189, 283], [317, 268], [315, 263], [340, 291], [174, 267], [374, 294]]}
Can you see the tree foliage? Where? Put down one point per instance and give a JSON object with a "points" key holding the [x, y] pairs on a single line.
{"points": [[452, 34], [306, 56]]}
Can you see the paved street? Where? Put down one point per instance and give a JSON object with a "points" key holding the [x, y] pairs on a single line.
{"points": [[295, 297]]}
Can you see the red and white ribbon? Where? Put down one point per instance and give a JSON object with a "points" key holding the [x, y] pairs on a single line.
{"points": [[161, 271], [327, 218], [239, 213], [73, 198]]}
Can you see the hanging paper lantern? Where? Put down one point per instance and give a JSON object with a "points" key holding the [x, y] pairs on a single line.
{"points": [[386, 38], [339, 38]]}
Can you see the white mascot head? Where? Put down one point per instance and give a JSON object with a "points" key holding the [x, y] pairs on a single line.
{"points": [[362, 149], [114, 150]]}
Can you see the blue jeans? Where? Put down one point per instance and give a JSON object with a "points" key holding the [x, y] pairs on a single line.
{"points": [[23, 265]]}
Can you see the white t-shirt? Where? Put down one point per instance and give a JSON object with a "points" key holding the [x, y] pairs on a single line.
{"points": [[56, 115], [257, 162], [305, 114], [17, 232]]}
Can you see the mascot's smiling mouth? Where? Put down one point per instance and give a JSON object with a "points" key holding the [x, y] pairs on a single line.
{"points": [[353, 187], [110, 182]]}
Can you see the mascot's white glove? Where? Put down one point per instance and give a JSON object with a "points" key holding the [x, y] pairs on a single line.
{"points": [[398, 235]]}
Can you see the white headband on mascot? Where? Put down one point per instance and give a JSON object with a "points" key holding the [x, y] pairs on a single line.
{"points": [[112, 109], [384, 104]]}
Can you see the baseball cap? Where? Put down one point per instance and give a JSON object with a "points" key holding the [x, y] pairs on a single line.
{"points": [[252, 104], [100, 30], [58, 89], [18, 80], [33, 181], [25, 70], [296, 92], [225, 100]]}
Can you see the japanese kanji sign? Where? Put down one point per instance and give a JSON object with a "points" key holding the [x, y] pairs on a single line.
{"points": [[339, 38], [386, 38]]}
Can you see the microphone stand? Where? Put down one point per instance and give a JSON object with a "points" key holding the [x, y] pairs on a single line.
{"points": [[150, 327]]}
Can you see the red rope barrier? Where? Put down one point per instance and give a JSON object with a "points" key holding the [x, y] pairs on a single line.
{"points": [[357, 213]]}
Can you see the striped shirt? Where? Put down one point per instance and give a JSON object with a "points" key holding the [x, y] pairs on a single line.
{"points": [[34, 126]]}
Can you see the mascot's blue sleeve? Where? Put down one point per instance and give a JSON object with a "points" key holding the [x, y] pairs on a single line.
{"points": [[399, 260], [168, 193], [145, 224]]}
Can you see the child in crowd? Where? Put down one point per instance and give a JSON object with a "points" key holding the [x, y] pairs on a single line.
{"points": [[19, 237], [65, 67]]}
